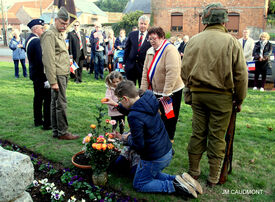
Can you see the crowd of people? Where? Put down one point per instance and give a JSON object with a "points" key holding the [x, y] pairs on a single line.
{"points": [[211, 67]]}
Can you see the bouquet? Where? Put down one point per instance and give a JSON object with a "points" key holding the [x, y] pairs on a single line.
{"points": [[100, 147]]}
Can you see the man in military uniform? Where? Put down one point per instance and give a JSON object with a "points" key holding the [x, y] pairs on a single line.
{"points": [[42, 92], [56, 61], [214, 69]]}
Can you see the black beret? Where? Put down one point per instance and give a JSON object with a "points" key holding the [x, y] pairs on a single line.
{"points": [[35, 22]]}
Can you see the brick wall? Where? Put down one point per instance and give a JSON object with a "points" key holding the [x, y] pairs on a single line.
{"points": [[251, 14]]}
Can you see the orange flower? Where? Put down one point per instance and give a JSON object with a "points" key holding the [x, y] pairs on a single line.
{"points": [[104, 100], [98, 146], [93, 126], [87, 139], [94, 145], [107, 121], [110, 146], [101, 139], [111, 136], [104, 146]]}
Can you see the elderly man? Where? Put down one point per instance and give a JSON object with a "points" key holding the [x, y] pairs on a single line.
{"points": [[77, 49], [248, 45], [97, 40], [135, 50], [214, 69], [42, 92], [56, 61]]}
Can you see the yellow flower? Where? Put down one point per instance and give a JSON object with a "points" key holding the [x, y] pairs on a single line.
{"points": [[104, 146], [93, 126], [98, 146], [110, 146], [87, 139], [94, 145]]}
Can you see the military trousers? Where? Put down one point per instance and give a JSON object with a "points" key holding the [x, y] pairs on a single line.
{"points": [[59, 107], [211, 116]]}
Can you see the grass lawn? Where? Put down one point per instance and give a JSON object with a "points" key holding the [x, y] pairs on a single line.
{"points": [[254, 150]]}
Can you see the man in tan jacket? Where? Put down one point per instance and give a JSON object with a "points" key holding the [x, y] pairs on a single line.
{"points": [[56, 62], [214, 69]]}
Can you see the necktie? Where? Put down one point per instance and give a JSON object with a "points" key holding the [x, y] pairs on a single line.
{"points": [[80, 41], [140, 41]]}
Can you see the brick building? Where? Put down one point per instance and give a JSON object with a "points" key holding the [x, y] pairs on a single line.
{"points": [[182, 17]]}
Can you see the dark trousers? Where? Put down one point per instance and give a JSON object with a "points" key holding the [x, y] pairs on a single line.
{"points": [[170, 124], [59, 107], [91, 65], [121, 121], [134, 74], [41, 99], [16, 68], [261, 68], [99, 64], [78, 72]]}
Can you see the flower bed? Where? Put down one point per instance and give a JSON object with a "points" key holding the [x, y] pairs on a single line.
{"points": [[52, 180]]}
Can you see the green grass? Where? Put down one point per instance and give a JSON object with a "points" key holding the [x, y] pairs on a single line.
{"points": [[253, 140]]}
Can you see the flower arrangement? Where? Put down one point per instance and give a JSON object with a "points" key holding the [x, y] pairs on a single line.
{"points": [[99, 147]]}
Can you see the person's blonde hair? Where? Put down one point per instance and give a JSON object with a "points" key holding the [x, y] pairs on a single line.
{"points": [[265, 34], [15, 31], [113, 75]]}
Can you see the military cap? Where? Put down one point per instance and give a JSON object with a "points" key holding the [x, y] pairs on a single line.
{"points": [[35, 22], [63, 14], [214, 13]]}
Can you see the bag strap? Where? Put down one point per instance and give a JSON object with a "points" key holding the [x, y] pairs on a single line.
{"points": [[27, 45]]}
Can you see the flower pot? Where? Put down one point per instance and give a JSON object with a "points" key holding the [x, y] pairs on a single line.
{"points": [[100, 179], [79, 165]]}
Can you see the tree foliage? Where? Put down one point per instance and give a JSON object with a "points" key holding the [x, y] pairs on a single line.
{"points": [[271, 7], [128, 21], [112, 5]]}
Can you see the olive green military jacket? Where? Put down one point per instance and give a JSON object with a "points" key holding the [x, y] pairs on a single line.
{"points": [[213, 61], [55, 55]]}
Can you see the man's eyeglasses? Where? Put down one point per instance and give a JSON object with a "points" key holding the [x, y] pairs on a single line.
{"points": [[120, 99]]}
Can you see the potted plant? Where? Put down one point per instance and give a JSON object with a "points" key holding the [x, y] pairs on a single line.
{"points": [[99, 149]]}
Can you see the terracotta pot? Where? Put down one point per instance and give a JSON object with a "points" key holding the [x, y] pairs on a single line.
{"points": [[100, 179], [78, 165]]}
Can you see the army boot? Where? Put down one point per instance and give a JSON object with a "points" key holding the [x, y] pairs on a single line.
{"points": [[194, 165], [214, 171]]}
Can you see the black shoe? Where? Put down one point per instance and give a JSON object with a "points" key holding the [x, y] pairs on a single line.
{"points": [[38, 124], [183, 188], [47, 128]]}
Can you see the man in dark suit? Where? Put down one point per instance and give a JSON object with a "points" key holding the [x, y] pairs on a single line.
{"points": [[42, 91], [135, 50], [77, 49]]}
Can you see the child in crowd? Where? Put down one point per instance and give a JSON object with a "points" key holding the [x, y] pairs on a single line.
{"points": [[150, 140], [112, 80]]}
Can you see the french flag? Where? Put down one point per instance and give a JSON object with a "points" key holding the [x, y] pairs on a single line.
{"points": [[73, 67], [168, 107], [251, 66]]}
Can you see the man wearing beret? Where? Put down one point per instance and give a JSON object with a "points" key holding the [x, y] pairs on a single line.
{"points": [[56, 60], [42, 92]]}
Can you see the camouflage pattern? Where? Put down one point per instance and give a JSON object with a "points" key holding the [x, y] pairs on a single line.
{"points": [[214, 13]]}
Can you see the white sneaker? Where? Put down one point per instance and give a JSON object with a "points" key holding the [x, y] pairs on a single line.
{"points": [[192, 182], [262, 89], [182, 186], [255, 88]]}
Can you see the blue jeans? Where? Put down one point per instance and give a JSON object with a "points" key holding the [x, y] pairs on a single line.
{"points": [[16, 68], [149, 178], [99, 64]]}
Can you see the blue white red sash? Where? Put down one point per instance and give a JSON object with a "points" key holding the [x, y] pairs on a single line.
{"points": [[154, 63]]}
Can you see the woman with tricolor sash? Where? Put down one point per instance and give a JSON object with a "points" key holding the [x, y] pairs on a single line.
{"points": [[161, 74]]}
